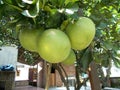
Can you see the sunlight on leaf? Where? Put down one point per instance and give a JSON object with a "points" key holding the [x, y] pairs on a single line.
{"points": [[33, 12], [68, 1], [20, 3], [30, 1], [116, 62]]}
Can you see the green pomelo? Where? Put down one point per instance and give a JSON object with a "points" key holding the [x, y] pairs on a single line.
{"points": [[54, 45], [81, 33], [28, 39], [70, 60]]}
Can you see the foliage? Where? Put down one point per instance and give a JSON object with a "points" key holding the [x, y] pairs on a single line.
{"points": [[18, 14]]}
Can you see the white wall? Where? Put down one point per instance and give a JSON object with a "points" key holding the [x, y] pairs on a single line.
{"points": [[23, 72], [8, 55], [115, 72]]}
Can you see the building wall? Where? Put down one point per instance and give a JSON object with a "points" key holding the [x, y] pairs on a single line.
{"points": [[8, 55], [21, 83], [54, 79], [22, 72]]}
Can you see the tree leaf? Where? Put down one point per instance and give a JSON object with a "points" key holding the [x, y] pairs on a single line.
{"points": [[8, 1], [68, 1], [116, 62], [20, 3], [57, 3], [86, 59], [30, 1], [54, 16], [33, 11], [108, 45], [118, 53], [61, 3]]}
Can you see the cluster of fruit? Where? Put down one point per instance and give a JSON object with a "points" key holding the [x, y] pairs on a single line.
{"points": [[55, 45]]}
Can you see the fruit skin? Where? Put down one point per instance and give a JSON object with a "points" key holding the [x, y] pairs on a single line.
{"points": [[28, 38], [81, 33], [54, 45], [70, 60]]}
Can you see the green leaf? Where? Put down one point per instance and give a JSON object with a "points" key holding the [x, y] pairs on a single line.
{"points": [[1, 43], [118, 53], [12, 6], [105, 62], [68, 1], [53, 2], [64, 24], [33, 11], [71, 11], [8, 1], [30, 1], [57, 3], [97, 58], [1, 10], [54, 20], [103, 25], [61, 3], [108, 45], [86, 59], [116, 62], [20, 3]]}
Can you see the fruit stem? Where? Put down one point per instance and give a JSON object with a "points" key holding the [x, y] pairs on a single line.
{"points": [[48, 75]]}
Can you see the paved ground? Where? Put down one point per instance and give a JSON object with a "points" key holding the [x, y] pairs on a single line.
{"points": [[28, 88], [71, 88], [58, 88], [54, 88]]}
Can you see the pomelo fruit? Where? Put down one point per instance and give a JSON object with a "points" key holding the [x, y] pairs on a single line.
{"points": [[70, 60], [28, 38], [81, 33], [54, 45]]}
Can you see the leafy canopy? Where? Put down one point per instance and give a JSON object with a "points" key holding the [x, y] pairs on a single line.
{"points": [[19, 14]]}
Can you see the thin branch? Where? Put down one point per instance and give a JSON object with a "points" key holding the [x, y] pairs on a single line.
{"points": [[57, 67], [64, 72]]}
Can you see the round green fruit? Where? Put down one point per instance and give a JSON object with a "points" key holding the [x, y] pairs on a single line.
{"points": [[28, 39], [81, 33], [54, 45], [70, 60]]}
